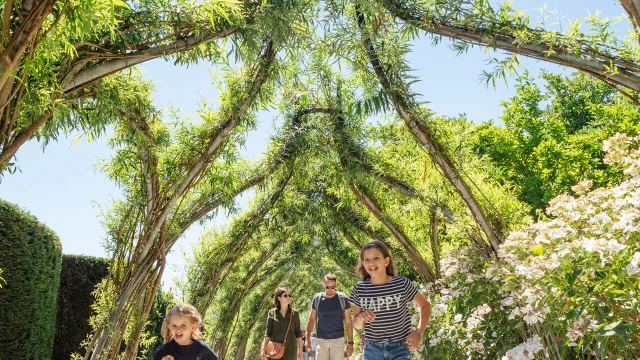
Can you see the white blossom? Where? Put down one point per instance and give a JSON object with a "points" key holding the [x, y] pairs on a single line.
{"points": [[526, 350], [634, 266]]}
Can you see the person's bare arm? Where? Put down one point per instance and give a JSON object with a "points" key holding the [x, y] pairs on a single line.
{"points": [[425, 312], [349, 324], [299, 347], [263, 353], [360, 318], [415, 338], [310, 323]]}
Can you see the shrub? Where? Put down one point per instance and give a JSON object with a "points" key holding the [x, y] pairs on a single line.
{"points": [[565, 287], [78, 278], [30, 256]]}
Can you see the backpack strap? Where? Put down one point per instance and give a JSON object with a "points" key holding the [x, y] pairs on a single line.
{"points": [[315, 304], [341, 298]]}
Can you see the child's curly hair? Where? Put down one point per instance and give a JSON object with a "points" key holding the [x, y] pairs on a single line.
{"points": [[185, 310]]}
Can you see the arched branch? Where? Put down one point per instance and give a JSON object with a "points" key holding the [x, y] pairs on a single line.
{"points": [[586, 58], [397, 90]]}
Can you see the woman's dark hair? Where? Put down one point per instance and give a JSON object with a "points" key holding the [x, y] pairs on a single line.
{"points": [[384, 250], [279, 292]]}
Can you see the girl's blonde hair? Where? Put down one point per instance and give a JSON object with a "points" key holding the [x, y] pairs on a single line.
{"points": [[185, 310]]}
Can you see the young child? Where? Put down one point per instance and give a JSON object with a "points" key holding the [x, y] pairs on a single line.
{"points": [[181, 333], [381, 306]]}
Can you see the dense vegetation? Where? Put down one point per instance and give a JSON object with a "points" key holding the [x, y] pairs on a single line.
{"points": [[30, 254], [358, 157]]}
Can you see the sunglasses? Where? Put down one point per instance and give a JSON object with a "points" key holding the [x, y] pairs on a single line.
{"points": [[287, 295], [330, 287]]}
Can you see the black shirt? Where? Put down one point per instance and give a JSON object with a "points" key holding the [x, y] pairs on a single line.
{"points": [[198, 350]]}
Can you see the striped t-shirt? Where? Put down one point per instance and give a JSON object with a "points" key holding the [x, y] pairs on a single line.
{"points": [[390, 303]]}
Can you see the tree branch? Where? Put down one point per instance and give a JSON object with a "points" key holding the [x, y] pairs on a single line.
{"points": [[632, 7], [258, 77], [625, 74], [397, 91], [77, 80]]}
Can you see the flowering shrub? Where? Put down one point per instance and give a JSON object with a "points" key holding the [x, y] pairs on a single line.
{"points": [[566, 287]]}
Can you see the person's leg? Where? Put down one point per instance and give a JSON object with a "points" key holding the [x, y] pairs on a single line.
{"points": [[372, 352], [337, 349], [322, 349], [400, 352]]}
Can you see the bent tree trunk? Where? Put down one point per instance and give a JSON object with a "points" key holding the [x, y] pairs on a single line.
{"points": [[422, 268], [419, 264], [206, 285], [147, 258], [250, 281], [348, 219], [435, 246], [397, 90], [252, 317]]}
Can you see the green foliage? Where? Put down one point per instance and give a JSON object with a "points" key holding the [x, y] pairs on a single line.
{"points": [[566, 285], [30, 255], [552, 138], [319, 219], [308, 218], [162, 303], [79, 278], [61, 74]]}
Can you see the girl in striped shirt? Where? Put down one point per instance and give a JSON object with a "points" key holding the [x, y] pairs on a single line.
{"points": [[381, 306]]}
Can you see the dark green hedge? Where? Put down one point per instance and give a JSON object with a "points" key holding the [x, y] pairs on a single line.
{"points": [[30, 258], [79, 277]]}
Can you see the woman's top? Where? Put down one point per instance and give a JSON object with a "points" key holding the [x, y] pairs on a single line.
{"points": [[198, 350], [390, 303], [277, 328]]}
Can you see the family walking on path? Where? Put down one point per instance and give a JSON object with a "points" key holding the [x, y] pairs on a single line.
{"points": [[379, 302]]}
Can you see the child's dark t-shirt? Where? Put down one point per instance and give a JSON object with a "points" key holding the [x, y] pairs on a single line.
{"points": [[198, 350]]}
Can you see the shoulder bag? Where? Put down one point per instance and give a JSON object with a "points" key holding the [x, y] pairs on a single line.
{"points": [[275, 350]]}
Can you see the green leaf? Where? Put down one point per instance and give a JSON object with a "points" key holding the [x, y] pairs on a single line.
{"points": [[537, 250], [119, 3], [572, 278], [509, 286]]}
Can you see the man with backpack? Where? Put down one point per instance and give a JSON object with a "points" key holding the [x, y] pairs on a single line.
{"points": [[330, 311]]}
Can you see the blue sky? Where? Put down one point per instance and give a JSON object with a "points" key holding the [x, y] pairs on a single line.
{"points": [[62, 188]]}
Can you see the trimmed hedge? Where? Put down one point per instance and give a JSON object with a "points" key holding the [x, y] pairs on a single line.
{"points": [[30, 256], [78, 279]]}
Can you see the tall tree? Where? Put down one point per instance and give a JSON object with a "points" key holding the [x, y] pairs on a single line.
{"points": [[150, 222], [552, 135]]}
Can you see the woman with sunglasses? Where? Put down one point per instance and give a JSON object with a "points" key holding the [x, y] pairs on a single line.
{"points": [[278, 320]]}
